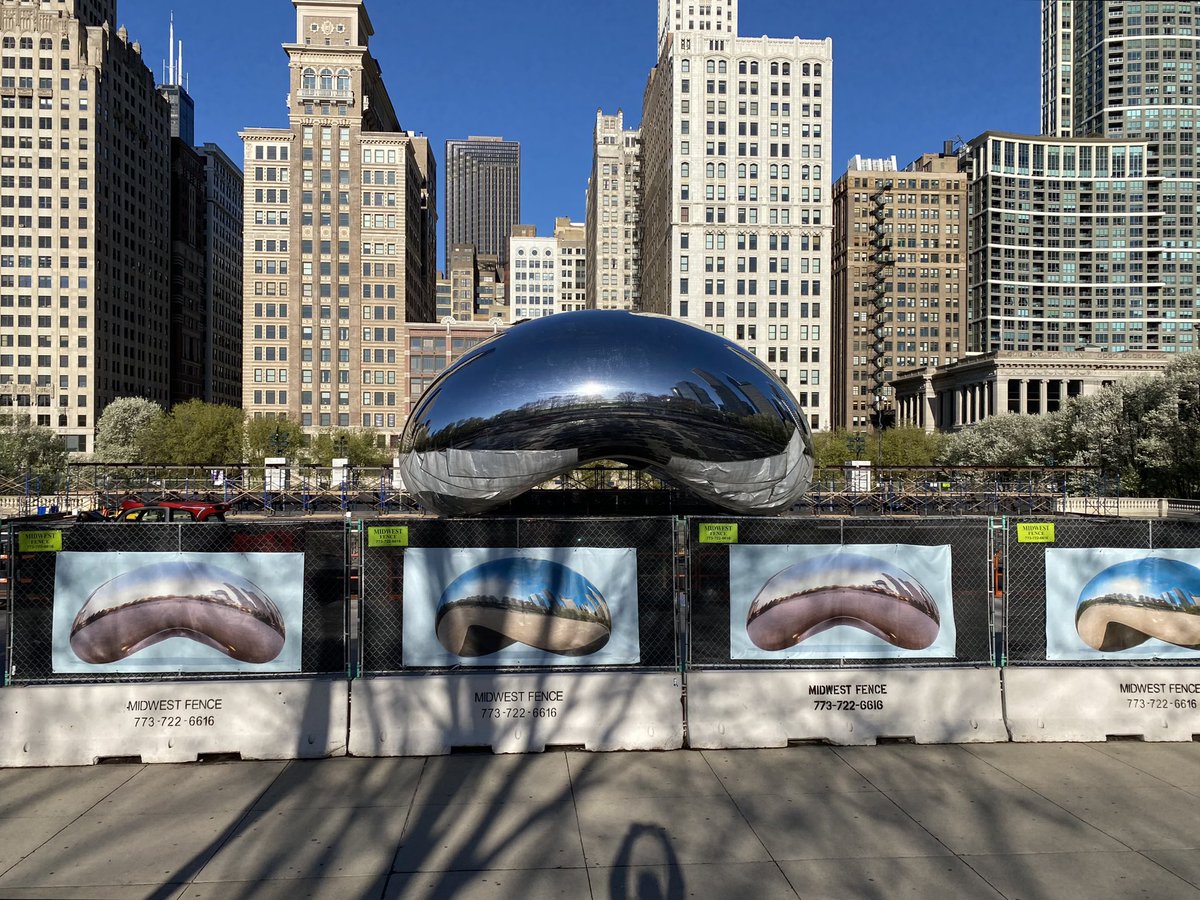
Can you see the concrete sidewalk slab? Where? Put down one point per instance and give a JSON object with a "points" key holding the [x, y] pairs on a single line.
{"points": [[1109, 874], [470, 836], [887, 878], [651, 831], [1008, 820], [824, 826], [801, 770]]}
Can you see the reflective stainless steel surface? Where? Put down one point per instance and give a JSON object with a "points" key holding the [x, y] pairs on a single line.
{"points": [[552, 394]]}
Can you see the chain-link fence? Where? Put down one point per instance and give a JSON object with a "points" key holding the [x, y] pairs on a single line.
{"points": [[6, 582], [699, 633], [1025, 575], [324, 631], [652, 538], [968, 539]]}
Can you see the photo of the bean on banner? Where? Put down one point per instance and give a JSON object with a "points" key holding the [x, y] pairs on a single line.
{"points": [[555, 606], [178, 612], [1122, 604], [831, 601]]}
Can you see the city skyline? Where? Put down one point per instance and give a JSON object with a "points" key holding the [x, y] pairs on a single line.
{"points": [[977, 70]]}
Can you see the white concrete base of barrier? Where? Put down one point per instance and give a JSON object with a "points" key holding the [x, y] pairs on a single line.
{"points": [[1061, 704], [768, 708], [78, 724], [427, 715]]}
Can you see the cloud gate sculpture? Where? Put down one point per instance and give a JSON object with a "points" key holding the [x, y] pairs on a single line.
{"points": [[552, 394]]}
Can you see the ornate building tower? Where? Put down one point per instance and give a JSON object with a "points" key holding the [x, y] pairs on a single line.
{"points": [[340, 247]]}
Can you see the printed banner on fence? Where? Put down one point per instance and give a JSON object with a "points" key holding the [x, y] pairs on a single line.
{"points": [[556, 606], [840, 601], [1122, 604], [137, 613]]}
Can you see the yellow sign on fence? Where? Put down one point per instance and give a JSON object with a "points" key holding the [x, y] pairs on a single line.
{"points": [[719, 533], [387, 536], [39, 541], [1035, 533]]}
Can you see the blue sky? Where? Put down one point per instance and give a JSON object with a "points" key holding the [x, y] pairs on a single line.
{"points": [[908, 74]]}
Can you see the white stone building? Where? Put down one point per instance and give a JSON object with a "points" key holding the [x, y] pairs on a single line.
{"points": [[737, 206], [613, 217], [534, 280]]}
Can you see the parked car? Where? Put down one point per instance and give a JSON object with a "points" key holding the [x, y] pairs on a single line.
{"points": [[171, 511]]}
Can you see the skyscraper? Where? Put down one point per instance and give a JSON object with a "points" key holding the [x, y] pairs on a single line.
{"points": [[483, 193], [737, 212], [189, 207], [84, 218], [613, 215], [922, 317], [340, 236], [1122, 71], [223, 277]]}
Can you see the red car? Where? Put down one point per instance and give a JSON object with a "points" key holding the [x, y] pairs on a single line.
{"points": [[172, 511]]}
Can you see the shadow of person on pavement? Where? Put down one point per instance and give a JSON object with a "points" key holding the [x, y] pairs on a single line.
{"points": [[649, 865]]}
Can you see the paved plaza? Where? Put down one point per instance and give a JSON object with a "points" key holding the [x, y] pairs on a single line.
{"points": [[1120, 819]]}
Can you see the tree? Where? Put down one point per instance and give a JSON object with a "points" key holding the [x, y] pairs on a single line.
{"points": [[906, 445], [197, 433], [361, 448], [32, 450], [279, 437], [831, 449], [1006, 440], [123, 428]]}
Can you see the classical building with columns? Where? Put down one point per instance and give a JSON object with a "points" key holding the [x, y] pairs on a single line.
{"points": [[947, 398]]}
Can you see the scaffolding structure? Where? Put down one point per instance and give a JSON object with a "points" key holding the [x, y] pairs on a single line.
{"points": [[307, 489]]}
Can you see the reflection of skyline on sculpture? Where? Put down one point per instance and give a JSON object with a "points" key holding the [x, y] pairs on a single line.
{"points": [[536, 602], [550, 395], [851, 589], [1131, 602]]}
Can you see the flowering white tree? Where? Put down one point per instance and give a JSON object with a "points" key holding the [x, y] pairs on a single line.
{"points": [[123, 427]]}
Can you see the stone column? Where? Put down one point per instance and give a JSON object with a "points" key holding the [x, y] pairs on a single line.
{"points": [[1023, 406]]}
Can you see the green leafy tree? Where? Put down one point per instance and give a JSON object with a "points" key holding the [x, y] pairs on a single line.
{"points": [[361, 448], [280, 437], [831, 449], [197, 432], [123, 428], [32, 450], [904, 446]]}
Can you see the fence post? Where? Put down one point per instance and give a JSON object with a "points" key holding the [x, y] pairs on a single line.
{"points": [[8, 565], [998, 553], [353, 596], [682, 548]]}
